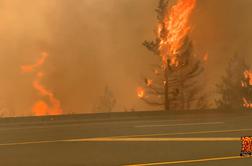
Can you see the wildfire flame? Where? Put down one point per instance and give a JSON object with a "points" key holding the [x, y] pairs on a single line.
{"points": [[205, 57], [246, 104], [248, 75], [40, 62], [245, 84], [140, 92], [41, 107], [149, 82], [174, 29]]}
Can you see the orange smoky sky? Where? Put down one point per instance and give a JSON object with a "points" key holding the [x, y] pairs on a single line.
{"points": [[94, 43]]}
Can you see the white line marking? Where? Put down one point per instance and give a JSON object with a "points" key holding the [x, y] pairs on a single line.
{"points": [[211, 139], [83, 124], [218, 139], [183, 133], [188, 161], [181, 124]]}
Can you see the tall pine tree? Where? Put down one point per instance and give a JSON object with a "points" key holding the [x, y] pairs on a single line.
{"points": [[176, 83]]}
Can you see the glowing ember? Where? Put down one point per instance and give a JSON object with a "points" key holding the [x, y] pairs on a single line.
{"points": [[243, 84], [248, 75], [140, 92], [41, 108], [246, 104], [149, 82], [205, 58], [173, 30]]}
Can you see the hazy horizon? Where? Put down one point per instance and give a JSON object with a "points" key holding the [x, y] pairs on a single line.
{"points": [[95, 43]]}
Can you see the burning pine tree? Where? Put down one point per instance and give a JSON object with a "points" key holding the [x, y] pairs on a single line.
{"points": [[247, 90], [176, 83]]}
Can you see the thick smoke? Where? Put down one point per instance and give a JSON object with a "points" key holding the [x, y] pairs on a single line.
{"points": [[94, 43]]}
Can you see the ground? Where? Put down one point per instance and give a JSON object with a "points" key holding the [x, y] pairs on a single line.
{"points": [[205, 139]]}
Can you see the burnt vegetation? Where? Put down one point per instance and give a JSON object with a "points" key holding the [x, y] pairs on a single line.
{"points": [[234, 86], [106, 102]]}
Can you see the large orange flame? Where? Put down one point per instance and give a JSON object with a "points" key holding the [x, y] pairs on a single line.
{"points": [[41, 107], [173, 30]]}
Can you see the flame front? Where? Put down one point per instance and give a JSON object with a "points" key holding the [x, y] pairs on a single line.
{"points": [[173, 29], [41, 107]]}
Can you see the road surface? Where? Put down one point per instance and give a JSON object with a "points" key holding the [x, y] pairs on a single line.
{"points": [[183, 140]]}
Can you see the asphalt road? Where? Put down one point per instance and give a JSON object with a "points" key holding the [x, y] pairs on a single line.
{"points": [[188, 140]]}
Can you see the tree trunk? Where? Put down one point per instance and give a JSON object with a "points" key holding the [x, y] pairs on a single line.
{"points": [[182, 89], [166, 88]]}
